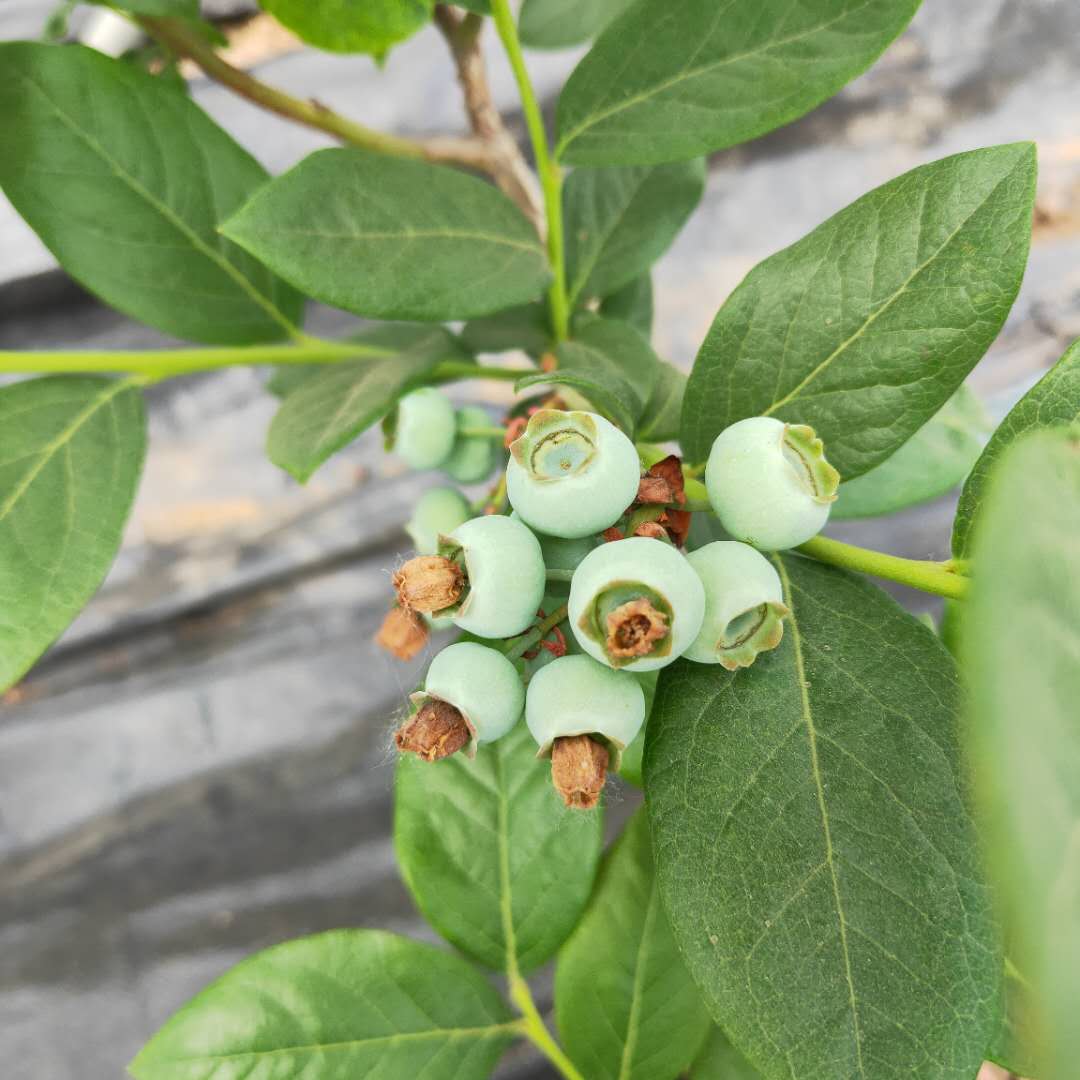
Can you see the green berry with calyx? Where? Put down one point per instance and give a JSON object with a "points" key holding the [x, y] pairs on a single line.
{"points": [[423, 429], [473, 457], [636, 604], [769, 482], [488, 576], [472, 695], [571, 474], [439, 510], [744, 605], [582, 716]]}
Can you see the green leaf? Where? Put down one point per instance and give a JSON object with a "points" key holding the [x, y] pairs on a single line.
{"points": [[632, 303], [1021, 646], [618, 222], [814, 850], [626, 1007], [524, 327], [71, 451], [719, 1060], [392, 238], [1054, 401], [666, 84], [868, 325], [610, 348], [663, 410], [347, 1003], [1013, 1043], [558, 24], [609, 395], [933, 461], [350, 27], [166, 9], [125, 179], [630, 766], [333, 407], [493, 859]]}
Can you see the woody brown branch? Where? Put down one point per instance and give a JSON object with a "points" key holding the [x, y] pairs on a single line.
{"points": [[508, 166]]}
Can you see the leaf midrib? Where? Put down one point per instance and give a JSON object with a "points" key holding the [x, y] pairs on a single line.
{"points": [[66, 434], [693, 73], [811, 731], [407, 235], [166, 212], [487, 1031], [904, 286]]}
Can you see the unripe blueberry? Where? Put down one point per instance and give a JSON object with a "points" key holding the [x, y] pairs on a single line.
{"points": [[472, 694], [504, 569], [438, 511], [571, 474], [769, 482], [473, 456], [582, 715], [636, 604], [424, 428], [744, 605]]}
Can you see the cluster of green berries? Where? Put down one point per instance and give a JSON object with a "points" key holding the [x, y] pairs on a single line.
{"points": [[426, 432], [583, 514]]}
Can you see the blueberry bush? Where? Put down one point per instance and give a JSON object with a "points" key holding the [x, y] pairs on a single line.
{"points": [[858, 854]]}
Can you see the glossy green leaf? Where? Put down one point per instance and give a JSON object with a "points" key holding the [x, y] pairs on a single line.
{"points": [[125, 179], [632, 303], [336, 1006], [330, 409], [663, 412], [666, 83], [626, 1006], [350, 27], [71, 451], [393, 238], [814, 849], [524, 327], [618, 222], [1021, 646], [493, 859], [719, 1060], [933, 461], [558, 24], [1054, 401], [868, 325]]}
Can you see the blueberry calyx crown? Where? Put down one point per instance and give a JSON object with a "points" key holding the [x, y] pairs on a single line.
{"points": [[556, 445], [629, 620], [806, 454]]}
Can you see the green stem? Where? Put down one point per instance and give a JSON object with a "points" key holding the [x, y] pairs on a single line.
{"points": [[155, 364], [931, 577], [527, 640], [546, 166], [534, 1028]]}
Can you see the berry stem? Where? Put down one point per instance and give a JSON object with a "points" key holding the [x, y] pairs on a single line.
{"points": [[932, 577], [535, 1030], [546, 166], [537, 634]]}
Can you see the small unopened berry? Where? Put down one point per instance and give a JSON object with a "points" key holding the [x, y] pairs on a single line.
{"points": [[438, 511], [424, 428], [582, 715], [636, 604], [744, 605], [473, 456], [769, 482], [402, 634], [571, 474], [472, 695]]}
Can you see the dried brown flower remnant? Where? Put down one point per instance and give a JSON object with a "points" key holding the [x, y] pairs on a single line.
{"points": [[653, 529], [429, 583], [579, 767], [435, 731], [655, 490], [402, 634], [633, 629], [612, 534]]}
